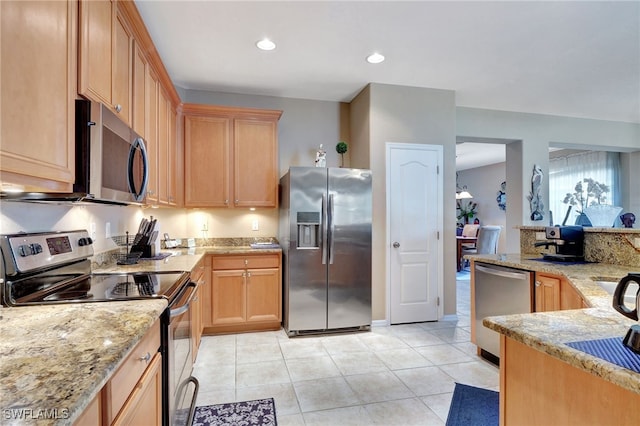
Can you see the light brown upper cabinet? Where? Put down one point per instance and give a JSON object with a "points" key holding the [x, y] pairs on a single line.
{"points": [[167, 150], [38, 61], [231, 156], [105, 49], [151, 132], [138, 91]]}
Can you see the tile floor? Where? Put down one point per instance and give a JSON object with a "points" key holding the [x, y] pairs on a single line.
{"points": [[397, 375]]}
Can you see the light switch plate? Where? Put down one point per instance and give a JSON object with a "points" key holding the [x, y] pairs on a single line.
{"points": [[541, 236]]}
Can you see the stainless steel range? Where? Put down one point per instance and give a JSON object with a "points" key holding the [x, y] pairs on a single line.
{"points": [[54, 267]]}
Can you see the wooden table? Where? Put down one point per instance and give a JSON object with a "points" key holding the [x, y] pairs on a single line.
{"points": [[459, 242]]}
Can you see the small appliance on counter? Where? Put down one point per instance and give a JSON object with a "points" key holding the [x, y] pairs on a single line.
{"points": [[632, 339], [568, 242]]}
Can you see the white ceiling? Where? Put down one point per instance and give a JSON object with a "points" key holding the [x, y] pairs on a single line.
{"points": [[579, 59]]}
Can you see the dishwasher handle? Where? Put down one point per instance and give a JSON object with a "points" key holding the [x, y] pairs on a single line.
{"points": [[502, 273]]}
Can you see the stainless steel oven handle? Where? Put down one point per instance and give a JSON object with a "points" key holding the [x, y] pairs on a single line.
{"points": [[192, 406], [184, 308]]}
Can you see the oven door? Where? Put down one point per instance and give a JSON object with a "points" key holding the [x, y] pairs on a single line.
{"points": [[183, 388]]}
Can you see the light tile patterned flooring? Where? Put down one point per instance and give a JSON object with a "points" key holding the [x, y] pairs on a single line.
{"points": [[397, 375]]}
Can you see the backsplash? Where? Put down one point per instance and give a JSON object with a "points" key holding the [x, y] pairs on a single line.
{"points": [[103, 259], [616, 246]]}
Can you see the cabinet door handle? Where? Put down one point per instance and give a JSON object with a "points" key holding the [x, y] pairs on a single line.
{"points": [[538, 283], [118, 107], [145, 358]]}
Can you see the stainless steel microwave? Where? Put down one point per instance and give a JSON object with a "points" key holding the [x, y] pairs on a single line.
{"points": [[111, 159], [111, 162]]}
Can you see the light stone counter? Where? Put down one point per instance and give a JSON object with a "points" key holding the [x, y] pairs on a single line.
{"points": [[550, 331], [180, 259], [54, 359]]}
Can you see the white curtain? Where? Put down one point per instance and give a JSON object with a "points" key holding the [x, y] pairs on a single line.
{"points": [[566, 172]]}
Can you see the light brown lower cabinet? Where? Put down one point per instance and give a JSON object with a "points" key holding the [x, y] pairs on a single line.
{"points": [[199, 275], [555, 293], [538, 389], [92, 415], [245, 294], [144, 406], [133, 395]]}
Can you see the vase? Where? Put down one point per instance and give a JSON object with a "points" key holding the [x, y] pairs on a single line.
{"points": [[583, 220], [602, 215]]}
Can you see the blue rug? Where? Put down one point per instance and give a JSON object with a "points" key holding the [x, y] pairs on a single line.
{"points": [[471, 406]]}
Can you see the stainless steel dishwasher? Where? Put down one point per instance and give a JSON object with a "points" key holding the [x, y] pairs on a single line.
{"points": [[499, 291]]}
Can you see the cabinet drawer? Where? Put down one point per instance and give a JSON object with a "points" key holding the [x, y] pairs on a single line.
{"points": [[246, 262], [125, 379]]}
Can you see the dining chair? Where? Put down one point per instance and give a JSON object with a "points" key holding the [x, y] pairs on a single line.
{"points": [[470, 231], [487, 242]]}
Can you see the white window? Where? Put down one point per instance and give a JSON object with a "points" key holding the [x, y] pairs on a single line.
{"points": [[567, 171]]}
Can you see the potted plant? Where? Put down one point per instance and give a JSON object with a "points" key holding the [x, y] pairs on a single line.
{"points": [[591, 203], [341, 148], [466, 211]]}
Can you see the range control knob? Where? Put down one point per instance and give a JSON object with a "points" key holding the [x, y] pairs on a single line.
{"points": [[25, 250], [85, 241], [36, 248]]}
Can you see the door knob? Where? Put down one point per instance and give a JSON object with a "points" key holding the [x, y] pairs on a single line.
{"points": [[396, 244]]}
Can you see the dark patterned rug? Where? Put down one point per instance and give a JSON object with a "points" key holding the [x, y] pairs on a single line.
{"points": [[260, 412]]}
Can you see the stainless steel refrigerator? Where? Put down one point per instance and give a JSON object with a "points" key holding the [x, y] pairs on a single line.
{"points": [[325, 232]]}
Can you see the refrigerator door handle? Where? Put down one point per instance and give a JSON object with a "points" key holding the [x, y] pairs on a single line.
{"points": [[324, 229], [331, 229]]}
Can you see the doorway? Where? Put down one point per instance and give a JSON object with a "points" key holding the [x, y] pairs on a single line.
{"points": [[414, 232]]}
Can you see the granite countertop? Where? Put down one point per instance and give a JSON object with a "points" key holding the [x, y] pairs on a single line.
{"points": [[56, 358], [549, 332], [181, 259]]}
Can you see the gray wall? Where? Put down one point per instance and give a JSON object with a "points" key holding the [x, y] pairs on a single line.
{"points": [[483, 183], [534, 133], [387, 113]]}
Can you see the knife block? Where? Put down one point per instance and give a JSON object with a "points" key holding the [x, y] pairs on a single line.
{"points": [[147, 250]]}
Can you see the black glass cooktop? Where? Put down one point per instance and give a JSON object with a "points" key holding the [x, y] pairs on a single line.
{"points": [[97, 287]]}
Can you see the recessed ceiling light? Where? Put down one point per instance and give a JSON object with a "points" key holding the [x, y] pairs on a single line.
{"points": [[266, 44], [375, 58]]}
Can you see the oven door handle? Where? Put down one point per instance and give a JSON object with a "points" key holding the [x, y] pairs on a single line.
{"points": [[184, 308]]}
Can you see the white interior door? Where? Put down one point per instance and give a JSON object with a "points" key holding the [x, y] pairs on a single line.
{"points": [[414, 214]]}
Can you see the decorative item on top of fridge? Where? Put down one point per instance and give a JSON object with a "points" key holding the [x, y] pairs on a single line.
{"points": [[321, 157], [342, 148]]}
